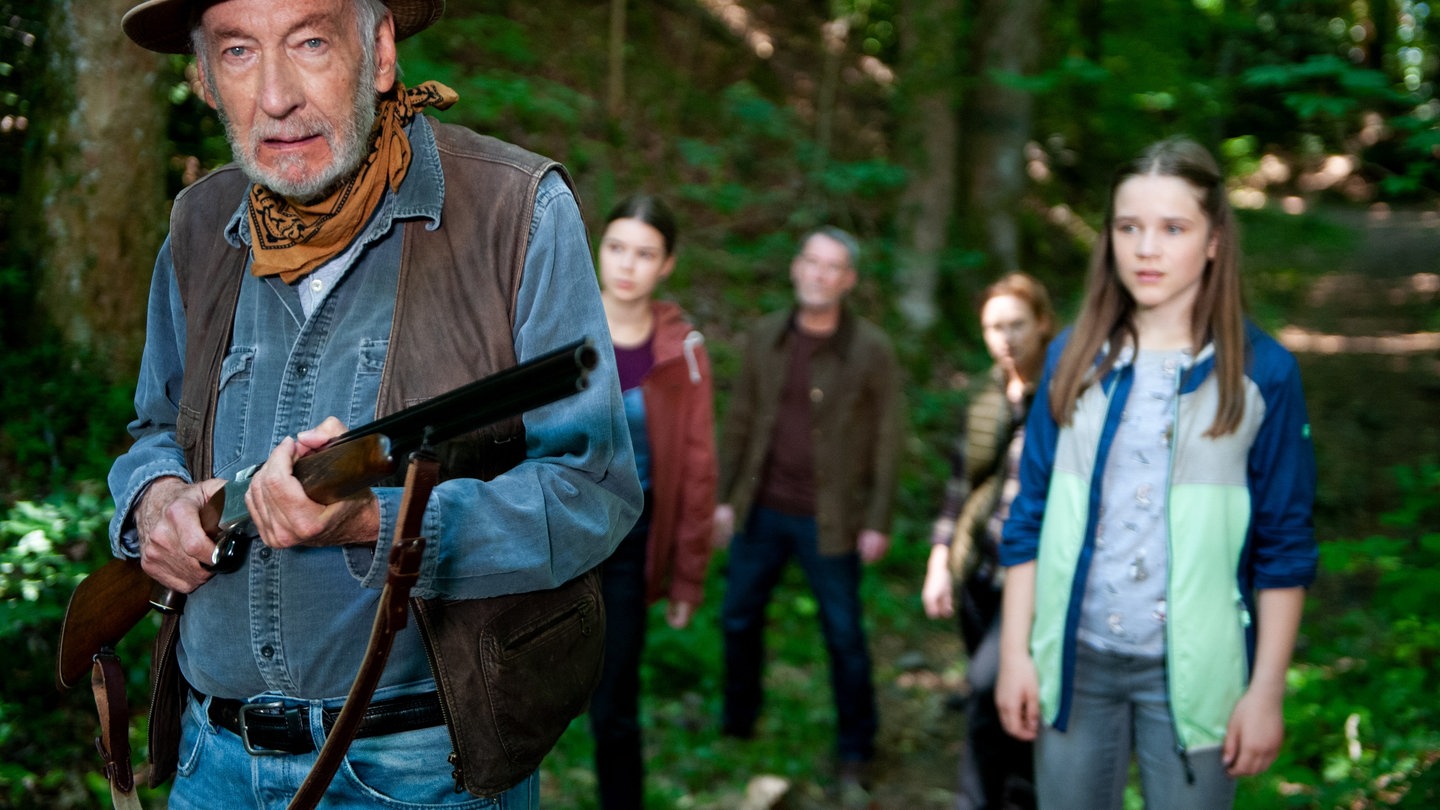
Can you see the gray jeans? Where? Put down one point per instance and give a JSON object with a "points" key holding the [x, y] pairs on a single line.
{"points": [[1121, 705]]}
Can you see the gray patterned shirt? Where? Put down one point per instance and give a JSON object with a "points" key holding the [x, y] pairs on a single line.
{"points": [[1124, 607]]}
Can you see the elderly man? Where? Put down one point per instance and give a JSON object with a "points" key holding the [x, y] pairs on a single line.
{"points": [[808, 465], [358, 258]]}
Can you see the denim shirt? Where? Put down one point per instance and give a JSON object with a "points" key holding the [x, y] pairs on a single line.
{"points": [[294, 621]]}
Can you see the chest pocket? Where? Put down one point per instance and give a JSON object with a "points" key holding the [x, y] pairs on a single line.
{"points": [[366, 391], [232, 410]]}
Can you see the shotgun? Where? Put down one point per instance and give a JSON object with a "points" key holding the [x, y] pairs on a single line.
{"points": [[116, 596]]}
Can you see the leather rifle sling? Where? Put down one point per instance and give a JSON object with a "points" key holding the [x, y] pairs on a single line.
{"points": [[107, 680], [404, 568]]}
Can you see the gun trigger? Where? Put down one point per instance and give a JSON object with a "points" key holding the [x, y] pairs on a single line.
{"points": [[229, 552]]}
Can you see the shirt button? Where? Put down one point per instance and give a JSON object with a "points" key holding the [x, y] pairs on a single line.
{"points": [[267, 651], [816, 395], [265, 553], [302, 370], [316, 285]]}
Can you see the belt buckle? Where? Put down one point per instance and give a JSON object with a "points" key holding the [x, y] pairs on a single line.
{"points": [[244, 710]]}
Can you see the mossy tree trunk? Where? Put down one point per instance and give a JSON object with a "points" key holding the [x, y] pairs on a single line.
{"points": [[93, 208]]}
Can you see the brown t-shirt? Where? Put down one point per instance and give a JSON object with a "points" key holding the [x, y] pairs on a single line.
{"points": [[788, 484]]}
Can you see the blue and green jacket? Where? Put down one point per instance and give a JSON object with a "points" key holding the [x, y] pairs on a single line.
{"points": [[1239, 520]]}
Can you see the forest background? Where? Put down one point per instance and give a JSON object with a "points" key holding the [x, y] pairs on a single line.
{"points": [[958, 139]]}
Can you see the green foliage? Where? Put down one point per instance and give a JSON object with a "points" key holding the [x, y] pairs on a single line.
{"points": [[1418, 487], [47, 758], [63, 418], [1363, 726], [1335, 87], [493, 97], [38, 544], [1284, 256], [1069, 71], [61, 426]]}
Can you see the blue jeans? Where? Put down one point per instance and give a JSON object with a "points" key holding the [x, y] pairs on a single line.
{"points": [[404, 771], [615, 706], [1121, 703], [757, 558]]}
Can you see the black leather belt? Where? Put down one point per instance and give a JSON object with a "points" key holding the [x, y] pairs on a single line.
{"points": [[284, 728]]}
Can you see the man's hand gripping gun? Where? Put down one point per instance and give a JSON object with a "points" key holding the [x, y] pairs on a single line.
{"points": [[115, 597]]}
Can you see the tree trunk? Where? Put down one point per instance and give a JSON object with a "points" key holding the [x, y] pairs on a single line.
{"points": [[998, 116], [92, 210], [927, 144], [615, 83], [834, 36]]}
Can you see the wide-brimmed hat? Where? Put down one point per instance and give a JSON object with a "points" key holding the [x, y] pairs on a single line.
{"points": [[164, 25]]}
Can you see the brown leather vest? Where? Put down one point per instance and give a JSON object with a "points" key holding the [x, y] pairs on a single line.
{"points": [[453, 323], [454, 309]]}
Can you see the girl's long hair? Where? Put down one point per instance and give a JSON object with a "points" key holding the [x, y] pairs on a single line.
{"points": [[1107, 315]]}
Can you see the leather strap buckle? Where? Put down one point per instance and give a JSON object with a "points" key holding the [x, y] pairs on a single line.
{"points": [[243, 712]]}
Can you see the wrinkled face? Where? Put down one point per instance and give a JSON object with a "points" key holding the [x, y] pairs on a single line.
{"points": [[1162, 241], [295, 89], [633, 260], [1012, 332], [822, 273]]}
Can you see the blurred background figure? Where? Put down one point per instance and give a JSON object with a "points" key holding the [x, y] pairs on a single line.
{"points": [[667, 390], [808, 469], [963, 576]]}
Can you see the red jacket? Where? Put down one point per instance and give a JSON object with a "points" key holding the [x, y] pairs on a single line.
{"points": [[680, 422]]}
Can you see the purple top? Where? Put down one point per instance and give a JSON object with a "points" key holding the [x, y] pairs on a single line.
{"points": [[635, 362]]}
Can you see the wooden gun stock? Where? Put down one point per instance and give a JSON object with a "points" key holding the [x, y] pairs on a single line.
{"points": [[103, 608]]}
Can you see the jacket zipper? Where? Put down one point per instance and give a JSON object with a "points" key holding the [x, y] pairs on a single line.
{"points": [[1180, 748], [167, 651], [1061, 719], [423, 621]]}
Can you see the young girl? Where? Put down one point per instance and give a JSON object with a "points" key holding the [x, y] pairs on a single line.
{"points": [[1162, 540], [1017, 322], [665, 376]]}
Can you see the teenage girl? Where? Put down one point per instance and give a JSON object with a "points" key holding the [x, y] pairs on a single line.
{"points": [[665, 377], [1017, 323], [1161, 543]]}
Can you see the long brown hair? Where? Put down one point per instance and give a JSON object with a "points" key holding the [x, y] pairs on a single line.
{"points": [[1107, 315]]}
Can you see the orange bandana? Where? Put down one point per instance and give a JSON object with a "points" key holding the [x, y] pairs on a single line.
{"points": [[291, 239]]}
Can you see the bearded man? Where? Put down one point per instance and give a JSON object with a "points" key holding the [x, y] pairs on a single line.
{"points": [[357, 258]]}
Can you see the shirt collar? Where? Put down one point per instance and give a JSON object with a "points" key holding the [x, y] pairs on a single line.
{"points": [[421, 195], [838, 341]]}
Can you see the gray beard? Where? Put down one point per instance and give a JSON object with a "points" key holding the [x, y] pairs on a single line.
{"points": [[350, 143]]}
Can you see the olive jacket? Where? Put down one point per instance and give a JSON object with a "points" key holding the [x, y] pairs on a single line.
{"points": [[857, 412]]}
